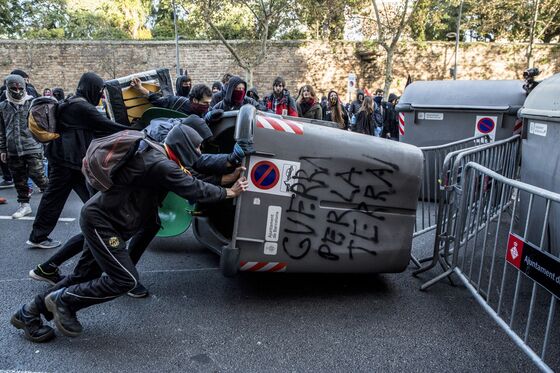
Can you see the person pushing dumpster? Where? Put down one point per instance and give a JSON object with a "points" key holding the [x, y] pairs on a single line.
{"points": [[112, 217]]}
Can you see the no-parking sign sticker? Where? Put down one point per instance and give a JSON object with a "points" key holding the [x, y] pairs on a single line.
{"points": [[486, 125], [272, 176]]}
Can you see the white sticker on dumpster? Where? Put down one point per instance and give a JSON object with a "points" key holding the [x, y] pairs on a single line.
{"points": [[270, 248], [273, 223], [272, 176], [539, 129], [431, 116]]}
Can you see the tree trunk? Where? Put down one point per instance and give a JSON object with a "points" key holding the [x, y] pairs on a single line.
{"points": [[249, 77], [532, 35], [388, 72]]}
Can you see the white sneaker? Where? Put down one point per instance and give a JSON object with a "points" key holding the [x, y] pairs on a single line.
{"points": [[24, 209]]}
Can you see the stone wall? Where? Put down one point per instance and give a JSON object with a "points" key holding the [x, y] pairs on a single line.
{"points": [[324, 65]]}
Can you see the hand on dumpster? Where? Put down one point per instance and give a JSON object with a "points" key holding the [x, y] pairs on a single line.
{"points": [[239, 187], [247, 147], [236, 157], [228, 179], [136, 83], [214, 116]]}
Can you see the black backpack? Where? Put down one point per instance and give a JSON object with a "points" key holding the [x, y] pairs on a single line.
{"points": [[43, 117], [106, 155]]}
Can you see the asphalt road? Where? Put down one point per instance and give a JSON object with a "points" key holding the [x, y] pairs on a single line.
{"points": [[196, 320]]}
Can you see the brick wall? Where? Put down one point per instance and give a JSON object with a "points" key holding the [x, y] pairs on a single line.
{"points": [[324, 65]]}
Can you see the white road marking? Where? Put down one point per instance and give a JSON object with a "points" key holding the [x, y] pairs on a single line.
{"points": [[153, 271], [9, 217]]}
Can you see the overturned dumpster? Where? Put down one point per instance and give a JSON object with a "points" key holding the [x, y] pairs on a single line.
{"points": [[439, 112], [319, 199]]}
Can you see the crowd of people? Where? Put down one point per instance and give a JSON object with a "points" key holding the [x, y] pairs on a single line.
{"points": [[118, 224]]}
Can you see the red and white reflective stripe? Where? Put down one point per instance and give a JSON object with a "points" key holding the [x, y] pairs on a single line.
{"points": [[401, 123], [263, 266], [282, 125], [517, 127]]}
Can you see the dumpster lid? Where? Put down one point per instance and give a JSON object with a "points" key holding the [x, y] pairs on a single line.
{"points": [[544, 100], [498, 95]]}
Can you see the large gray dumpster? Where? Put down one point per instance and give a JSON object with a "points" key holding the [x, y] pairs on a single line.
{"points": [[320, 200], [440, 112], [540, 165]]}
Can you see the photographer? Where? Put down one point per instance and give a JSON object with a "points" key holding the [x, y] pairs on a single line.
{"points": [[279, 101], [529, 77]]}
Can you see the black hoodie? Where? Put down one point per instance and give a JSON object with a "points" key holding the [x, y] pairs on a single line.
{"points": [[182, 91], [79, 123], [356, 104], [227, 105]]}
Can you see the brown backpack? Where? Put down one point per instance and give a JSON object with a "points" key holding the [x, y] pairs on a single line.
{"points": [[43, 117], [106, 155]]}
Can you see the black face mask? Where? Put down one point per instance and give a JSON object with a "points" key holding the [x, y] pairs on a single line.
{"points": [[90, 87], [16, 91]]}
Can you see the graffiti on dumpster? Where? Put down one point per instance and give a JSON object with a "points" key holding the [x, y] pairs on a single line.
{"points": [[347, 231]]}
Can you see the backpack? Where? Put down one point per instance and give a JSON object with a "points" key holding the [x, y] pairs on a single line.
{"points": [[106, 155], [43, 117]]}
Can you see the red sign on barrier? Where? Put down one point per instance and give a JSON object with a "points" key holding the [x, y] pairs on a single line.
{"points": [[538, 265]]}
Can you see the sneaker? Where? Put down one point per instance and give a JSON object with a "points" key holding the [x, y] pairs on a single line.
{"points": [[64, 319], [50, 277], [32, 326], [138, 292], [49, 243], [6, 184], [3, 201], [24, 209]]}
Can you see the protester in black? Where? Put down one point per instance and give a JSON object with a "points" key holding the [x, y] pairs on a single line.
{"points": [[235, 96], [80, 122], [183, 85], [391, 127], [58, 93], [219, 96], [356, 104], [105, 270]]}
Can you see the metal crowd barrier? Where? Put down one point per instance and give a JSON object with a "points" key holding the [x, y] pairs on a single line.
{"points": [[501, 255], [426, 217], [501, 156]]}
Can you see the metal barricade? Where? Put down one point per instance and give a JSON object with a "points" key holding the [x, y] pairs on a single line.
{"points": [[501, 156], [434, 156], [500, 255]]}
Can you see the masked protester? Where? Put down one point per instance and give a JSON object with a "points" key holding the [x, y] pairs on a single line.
{"points": [[235, 96], [31, 91], [183, 85], [109, 219], [335, 111], [81, 123], [279, 101], [58, 93], [391, 126], [18, 148], [219, 95], [307, 105]]}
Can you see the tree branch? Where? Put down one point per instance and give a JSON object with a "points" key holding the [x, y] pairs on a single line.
{"points": [[380, 36]]}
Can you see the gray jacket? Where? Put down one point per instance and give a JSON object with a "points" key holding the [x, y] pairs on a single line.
{"points": [[15, 138]]}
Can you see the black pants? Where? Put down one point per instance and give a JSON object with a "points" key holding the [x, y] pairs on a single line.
{"points": [[62, 180], [25, 167], [6, 174]]}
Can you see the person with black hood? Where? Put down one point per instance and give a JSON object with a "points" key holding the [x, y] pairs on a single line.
{"points": [[391, 127], [216, 87], [58, 93], [335, 111], [109, 219], [235, 96], [219, 96], [253, 93], [356, 104], [183, 85], [197, 102], [80, 122]]}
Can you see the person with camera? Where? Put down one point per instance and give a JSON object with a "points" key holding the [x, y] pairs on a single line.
{"points": [[279, 101]]}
